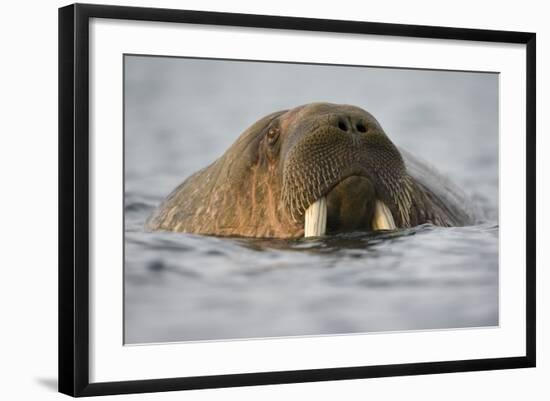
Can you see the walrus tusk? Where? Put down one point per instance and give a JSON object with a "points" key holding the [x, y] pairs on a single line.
{"points": [[383, 219], [316, 218]]}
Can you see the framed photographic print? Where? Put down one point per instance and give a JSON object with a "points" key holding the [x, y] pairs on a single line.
{"points": [[250, 199]]}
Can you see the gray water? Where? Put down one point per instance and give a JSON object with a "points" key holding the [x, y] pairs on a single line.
{"points": [[181, 114]]}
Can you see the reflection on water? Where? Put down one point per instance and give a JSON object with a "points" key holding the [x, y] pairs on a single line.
{"points": [[183, 287], [361, 241]]}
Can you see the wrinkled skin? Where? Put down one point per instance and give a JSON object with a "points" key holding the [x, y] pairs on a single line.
{"points": [[265, 181]]}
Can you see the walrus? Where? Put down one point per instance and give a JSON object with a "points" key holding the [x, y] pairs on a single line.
{"points": [[313, 170]]}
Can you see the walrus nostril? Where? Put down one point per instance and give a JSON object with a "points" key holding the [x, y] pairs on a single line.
{"points": [[361, 127], [342, 125]]}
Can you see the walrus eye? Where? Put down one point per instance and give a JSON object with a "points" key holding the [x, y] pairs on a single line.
{"points": [[273, 135]]}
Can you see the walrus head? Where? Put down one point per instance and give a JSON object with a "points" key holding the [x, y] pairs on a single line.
{"points": [[313, 169]]}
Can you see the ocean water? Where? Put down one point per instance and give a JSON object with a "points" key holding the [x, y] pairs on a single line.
{"points": [[181, 114]]}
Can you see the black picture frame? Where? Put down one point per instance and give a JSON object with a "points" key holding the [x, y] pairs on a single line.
{"points": [[74, 198]]}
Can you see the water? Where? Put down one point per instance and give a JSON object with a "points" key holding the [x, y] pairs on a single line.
{"points": [[181, 114]]}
